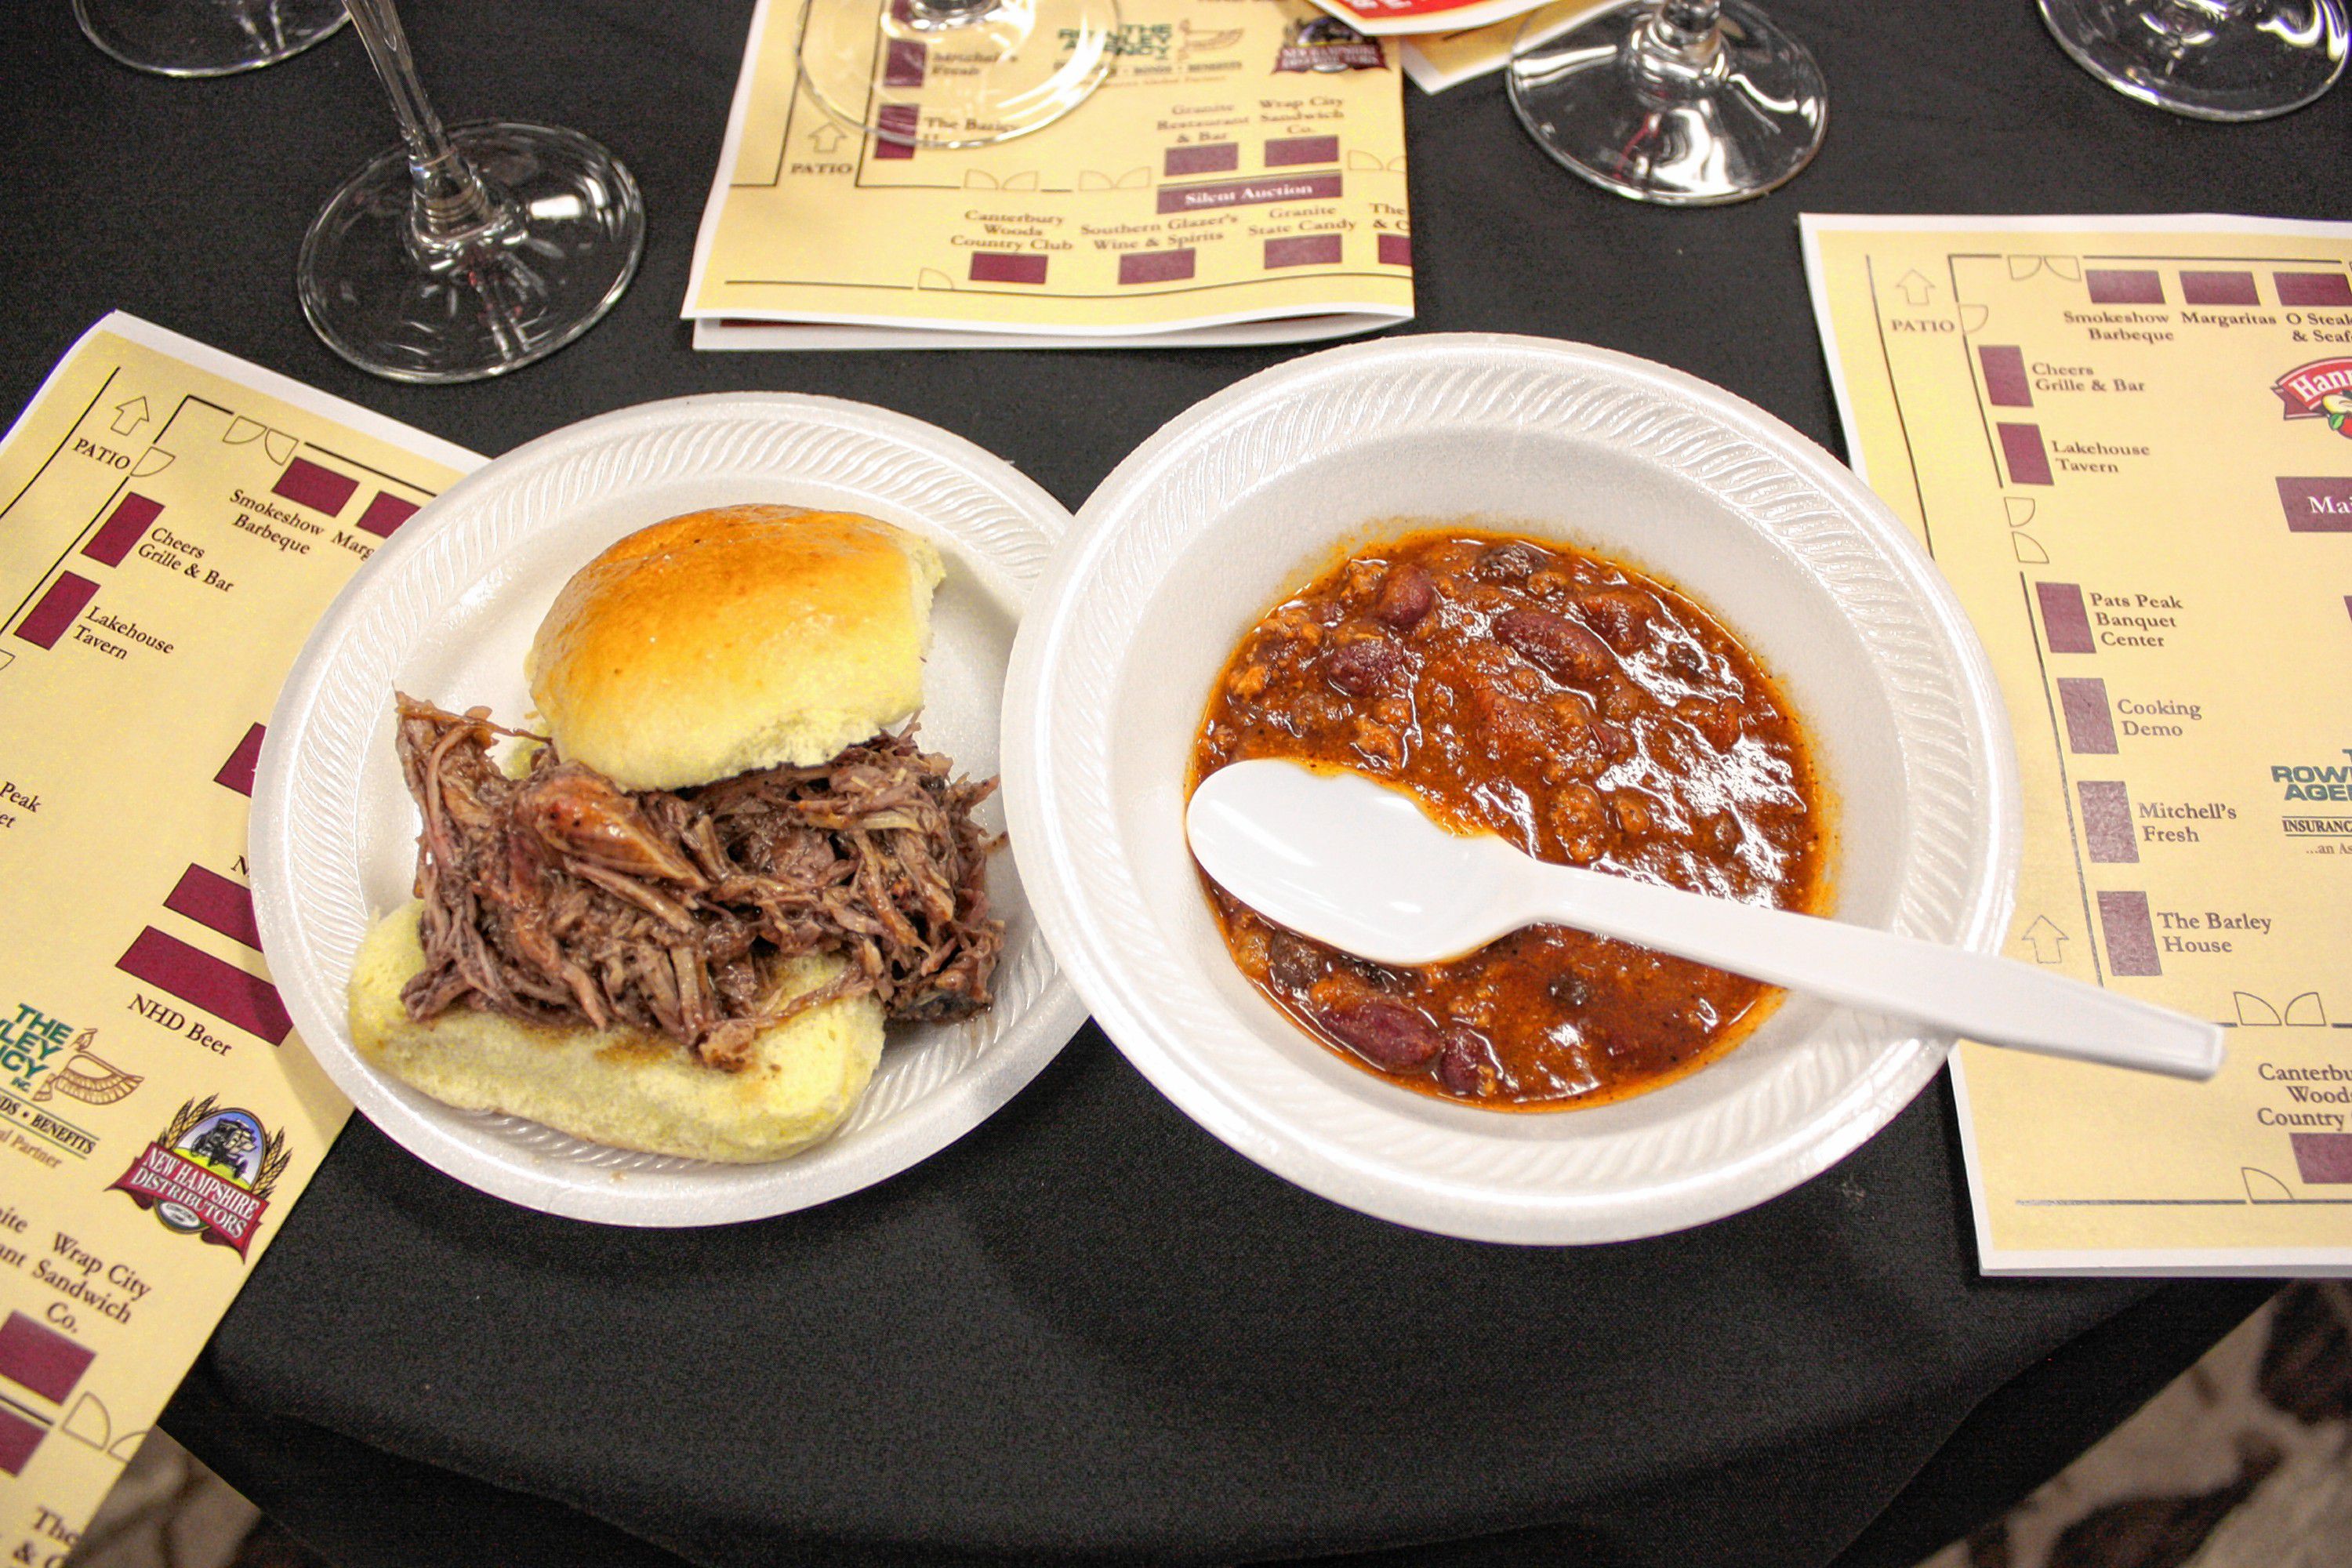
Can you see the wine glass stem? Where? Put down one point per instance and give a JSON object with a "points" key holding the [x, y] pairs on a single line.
{"points": [[926, 15], [1686, 22], [452, 206], [1677, 54]]}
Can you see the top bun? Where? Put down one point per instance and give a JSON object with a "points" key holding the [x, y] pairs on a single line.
{"points": [[742, 637]]}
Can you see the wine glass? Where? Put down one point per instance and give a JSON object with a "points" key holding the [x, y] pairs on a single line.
{"points": [[469, 251], [1686, 102], [955, 73], [2209, 59], [206, 38]]}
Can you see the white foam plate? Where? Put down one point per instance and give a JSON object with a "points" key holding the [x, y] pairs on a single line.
{"points": [[445, 611], [1238, 501]]}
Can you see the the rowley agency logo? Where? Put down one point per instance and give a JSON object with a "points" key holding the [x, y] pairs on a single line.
{"points": [[1327, 44], [2320, 390], [32, 1044], [210, 1175]]}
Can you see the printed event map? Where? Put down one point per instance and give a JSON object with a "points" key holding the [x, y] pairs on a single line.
{"points": [[2128, 442], [1242, 166], [171, 522]]}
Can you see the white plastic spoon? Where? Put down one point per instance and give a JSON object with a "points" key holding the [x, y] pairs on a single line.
{"points": [[1353, 863]]}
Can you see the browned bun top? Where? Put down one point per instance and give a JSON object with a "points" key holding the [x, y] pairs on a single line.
{"points": [[740, 637]]}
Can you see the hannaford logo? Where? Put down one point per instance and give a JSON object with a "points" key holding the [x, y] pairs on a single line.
{"points": [[210, 1175], [30, 1044], [2320, 390], [1327, 44]]}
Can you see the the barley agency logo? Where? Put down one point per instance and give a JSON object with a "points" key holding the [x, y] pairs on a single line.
{"points": [[210, 1175], [2320, 390]]}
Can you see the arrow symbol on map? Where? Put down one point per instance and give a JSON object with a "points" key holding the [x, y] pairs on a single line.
{"points": [[2049, 943], [129, 416], [1916, 291], [826, 137]]}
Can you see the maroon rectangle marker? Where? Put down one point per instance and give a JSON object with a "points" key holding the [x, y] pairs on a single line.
{"points": [[2313, 287], [2322, 1159], [2004, 374], [902, 65], [305, 483], [237, 774], [1303, 250], [1209, 158], [898, 120], [2322, 505], [2130, 933], [42, 1360], [200, 980], [2065, 624], [125, 526], [385, 513], [213, 900], [1156, 266], [1266, 188], [2090, 727], [18, 1438], [2028, 463], [48, 620], [1396, 250], [2106, 822], [1290, 150], [2113, 287], [1004, 267], [2219, 288]]}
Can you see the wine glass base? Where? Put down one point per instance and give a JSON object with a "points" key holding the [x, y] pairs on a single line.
{"points": [[1745, 122], [968, 79], [2165, 55], [206, 37], [463, 312]]}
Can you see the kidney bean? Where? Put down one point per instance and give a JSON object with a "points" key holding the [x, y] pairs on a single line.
{"points": [[1512, 562], [1564, 650], [1383, 1034], [1293, 963], [1362, 668], [1406, 596], [1459, 1064]]}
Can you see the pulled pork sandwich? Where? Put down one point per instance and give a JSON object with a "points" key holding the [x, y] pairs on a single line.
{"points": [[680, 920]]}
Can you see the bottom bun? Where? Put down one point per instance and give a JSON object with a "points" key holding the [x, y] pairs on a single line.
{"points": [[624, 1087]]}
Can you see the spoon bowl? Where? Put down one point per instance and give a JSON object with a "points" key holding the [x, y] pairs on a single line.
{"points": [[1344, 860]]}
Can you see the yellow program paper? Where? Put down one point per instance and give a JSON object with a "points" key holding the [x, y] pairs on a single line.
{"points": [[2128, 442], [172, 522], [1239, 177]]}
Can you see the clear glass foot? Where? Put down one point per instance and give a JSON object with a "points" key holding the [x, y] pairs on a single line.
{"points": [[206, 37], [1686, 102], [934, 73], [429, 288], [2209, 59]]}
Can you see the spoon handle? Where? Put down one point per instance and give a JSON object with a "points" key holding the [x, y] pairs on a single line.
{"points": [[1983, 997]]}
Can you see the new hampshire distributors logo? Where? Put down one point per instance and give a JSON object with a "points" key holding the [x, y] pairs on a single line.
{"points": [[210, 1173], [2320, 390]]}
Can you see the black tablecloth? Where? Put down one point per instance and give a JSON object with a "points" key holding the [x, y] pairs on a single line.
{"points": [[1088, 1327]]}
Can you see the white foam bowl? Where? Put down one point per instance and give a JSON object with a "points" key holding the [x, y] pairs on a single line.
{"points": [[1200, 531]]}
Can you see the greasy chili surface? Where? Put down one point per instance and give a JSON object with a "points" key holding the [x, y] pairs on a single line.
{"points": [[1585, 712]]}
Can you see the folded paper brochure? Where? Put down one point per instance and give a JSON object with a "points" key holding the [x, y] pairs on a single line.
{"points": [[1239, 178]]}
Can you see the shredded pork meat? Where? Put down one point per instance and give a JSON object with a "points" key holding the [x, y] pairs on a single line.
{"points": [[560, 897]]}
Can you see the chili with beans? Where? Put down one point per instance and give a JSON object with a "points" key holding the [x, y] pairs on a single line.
{"points": [[1585, 714]]}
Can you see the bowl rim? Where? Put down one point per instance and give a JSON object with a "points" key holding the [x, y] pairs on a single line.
{"points": [[1036, 813]]}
